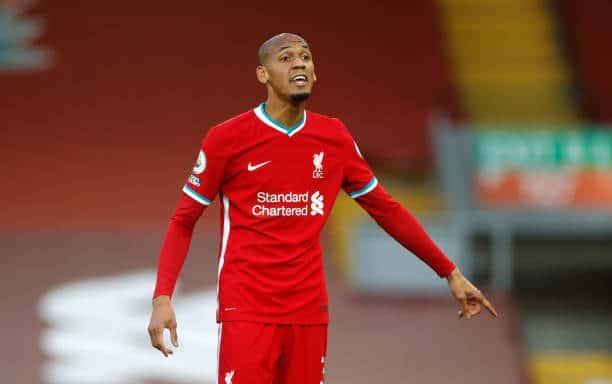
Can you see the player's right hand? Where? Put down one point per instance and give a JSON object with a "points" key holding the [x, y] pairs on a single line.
{"points": [[162, 317]]}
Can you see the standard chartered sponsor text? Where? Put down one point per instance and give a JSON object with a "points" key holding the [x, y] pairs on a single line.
{"points": [[298, 204], [289, 197], [263, 210]]}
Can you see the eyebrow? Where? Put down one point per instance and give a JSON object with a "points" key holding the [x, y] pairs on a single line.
{"points": [[288, 46]]}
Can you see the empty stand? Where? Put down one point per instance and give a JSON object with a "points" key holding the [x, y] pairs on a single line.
{"points": [[111, 130], [590, 36]]}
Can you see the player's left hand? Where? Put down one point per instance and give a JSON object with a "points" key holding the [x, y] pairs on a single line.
{"points": [[469, 297]]}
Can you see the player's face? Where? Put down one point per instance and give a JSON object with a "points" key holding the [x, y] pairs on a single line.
{"points": [[289, 70]]}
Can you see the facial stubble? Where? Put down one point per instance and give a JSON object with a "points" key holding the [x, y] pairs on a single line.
{"points": [[299, 97]]}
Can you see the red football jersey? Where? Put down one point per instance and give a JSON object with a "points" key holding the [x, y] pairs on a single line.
{"points": [[277, 185]]}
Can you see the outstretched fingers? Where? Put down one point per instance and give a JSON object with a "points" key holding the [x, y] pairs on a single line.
{"points": [[488, 305], [479, 299]]}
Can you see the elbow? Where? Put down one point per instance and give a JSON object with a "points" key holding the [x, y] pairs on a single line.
{"points": [[183, 221]]}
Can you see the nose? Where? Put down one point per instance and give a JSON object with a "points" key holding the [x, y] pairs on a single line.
{"points": [[298, 63]]}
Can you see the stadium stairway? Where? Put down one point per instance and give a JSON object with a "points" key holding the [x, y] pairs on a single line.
{"points": [[507, 61]]}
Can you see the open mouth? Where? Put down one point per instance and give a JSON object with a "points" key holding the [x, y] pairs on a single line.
{"points": [[299, 80]]}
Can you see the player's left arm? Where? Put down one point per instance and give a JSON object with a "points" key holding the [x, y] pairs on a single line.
{"points": [[400, 224], [360, 183]]}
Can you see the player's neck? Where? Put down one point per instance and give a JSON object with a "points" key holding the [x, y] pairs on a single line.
{"points": [[286, 113]]}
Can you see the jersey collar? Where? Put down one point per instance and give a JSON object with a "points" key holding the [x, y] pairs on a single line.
{"points": [[260, 112]]}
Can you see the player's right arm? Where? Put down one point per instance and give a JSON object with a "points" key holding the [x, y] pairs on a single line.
{"points": [[198, 192], [171, 259]]}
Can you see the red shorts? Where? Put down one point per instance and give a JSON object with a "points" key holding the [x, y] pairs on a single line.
{"points": [[259, 353]]}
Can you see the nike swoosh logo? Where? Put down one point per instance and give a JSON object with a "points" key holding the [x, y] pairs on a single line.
{"points": [[251, 168]]}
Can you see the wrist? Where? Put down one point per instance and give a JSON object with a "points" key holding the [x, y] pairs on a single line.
{"points": [[454, 274], [161, 300]]}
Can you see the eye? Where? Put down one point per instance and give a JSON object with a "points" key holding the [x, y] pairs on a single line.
{"points": [[306, 57], [284, 58]]}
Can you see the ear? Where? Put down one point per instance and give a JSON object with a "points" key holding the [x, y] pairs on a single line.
{"points": [[262, 74], [314, 77]]}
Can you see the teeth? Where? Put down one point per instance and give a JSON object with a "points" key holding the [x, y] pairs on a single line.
{"points": [[299, 78]]}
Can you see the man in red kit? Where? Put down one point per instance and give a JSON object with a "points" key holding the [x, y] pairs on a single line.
{"points": [[278, 169]]}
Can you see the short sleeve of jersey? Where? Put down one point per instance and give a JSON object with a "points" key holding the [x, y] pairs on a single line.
{"points": [[208, 172], [358, 178]]}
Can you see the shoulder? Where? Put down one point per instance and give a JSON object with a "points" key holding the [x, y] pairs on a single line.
{"points": [[324, 119], [234, 123], [331, 124], [228, 129]]}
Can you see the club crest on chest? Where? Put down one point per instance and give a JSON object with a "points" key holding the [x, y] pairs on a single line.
{"points": [[317, 162]]}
